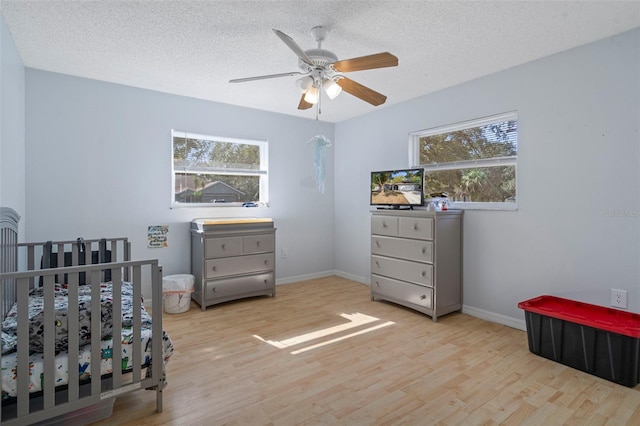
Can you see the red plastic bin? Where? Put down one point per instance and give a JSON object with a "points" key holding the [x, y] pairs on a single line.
{"points": [[595, 339]]}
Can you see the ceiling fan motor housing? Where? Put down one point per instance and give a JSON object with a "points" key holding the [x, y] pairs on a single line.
{"points": [[320, 57]]}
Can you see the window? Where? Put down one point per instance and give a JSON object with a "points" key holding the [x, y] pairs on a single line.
{"points": [[473, 162], [211, 170]]}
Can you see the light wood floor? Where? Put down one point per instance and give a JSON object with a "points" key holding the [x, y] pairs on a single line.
{"points": [[294, 360]]}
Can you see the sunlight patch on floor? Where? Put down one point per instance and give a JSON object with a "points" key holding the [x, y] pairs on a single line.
{"points": [[376, 327], [355, 320]]}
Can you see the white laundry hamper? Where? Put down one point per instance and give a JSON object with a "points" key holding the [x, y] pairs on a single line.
{"points": [[176, 293]]}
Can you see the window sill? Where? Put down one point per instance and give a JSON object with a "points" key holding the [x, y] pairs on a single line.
{"points": [[215, 205], [485, 206]]}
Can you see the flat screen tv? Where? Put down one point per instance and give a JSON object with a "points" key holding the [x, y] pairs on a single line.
{"points": [[397, 189]]}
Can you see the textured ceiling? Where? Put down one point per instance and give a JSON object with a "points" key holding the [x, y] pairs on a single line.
{"points": [[194, 48]]}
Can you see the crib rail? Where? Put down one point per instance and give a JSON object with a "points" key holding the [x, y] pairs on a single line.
{"points": [[31, 256], [46, 254], [52, 401]]}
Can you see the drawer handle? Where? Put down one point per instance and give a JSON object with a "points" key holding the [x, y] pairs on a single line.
{"points": [[213, 289], [213, 268], [415, 226], [266, 281], [377, 243], [384, 224], [258, 243], [423, 273], [223, 247], [377, 284], [424, 250], [377, 264], [266, 262], [422, 297]]}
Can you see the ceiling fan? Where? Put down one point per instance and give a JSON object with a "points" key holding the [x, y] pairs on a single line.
{"points": [[321, 70]]}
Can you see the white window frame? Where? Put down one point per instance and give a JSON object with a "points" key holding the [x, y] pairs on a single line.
{"points": [[262, 173], [414, 158]]}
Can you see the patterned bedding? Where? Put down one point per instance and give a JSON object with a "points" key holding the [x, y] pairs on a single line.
{"points": [[36, 316]]}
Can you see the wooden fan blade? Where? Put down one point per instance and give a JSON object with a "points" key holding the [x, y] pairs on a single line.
{"points": [[378, 60], [264, 77], [362, 92], [304, 104], [294, 46]]}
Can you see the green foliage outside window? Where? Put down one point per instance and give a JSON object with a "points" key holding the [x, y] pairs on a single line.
{"points": [[476, 164], [215, 171]]}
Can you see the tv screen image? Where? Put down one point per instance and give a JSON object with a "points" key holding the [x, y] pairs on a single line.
{"points": [[397, 188]]}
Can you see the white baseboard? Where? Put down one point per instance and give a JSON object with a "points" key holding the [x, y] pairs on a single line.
{"points": [[351, 277], [305, 277], [493, 317], [323, 274]]}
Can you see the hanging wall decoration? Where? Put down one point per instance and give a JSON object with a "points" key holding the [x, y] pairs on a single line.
{"points": [[321, 144], [157, 236]]}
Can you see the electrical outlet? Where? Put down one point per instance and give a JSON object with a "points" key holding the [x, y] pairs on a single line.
{"points": [[285, 253], [618, 298]]}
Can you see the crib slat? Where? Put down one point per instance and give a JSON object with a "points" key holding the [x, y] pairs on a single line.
{"points": [[117, 328], [2, 303], [74, 334], [156, 327], [22, 369], [113, 246], [60, 256], [31, 255], [31, 263], [96, 327], [48, 375], [137, 320], [75, 254], [126, 254]]}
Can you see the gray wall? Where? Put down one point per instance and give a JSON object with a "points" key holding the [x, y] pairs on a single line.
{"points": [[99, 164], [12, 126], [578, 160]]}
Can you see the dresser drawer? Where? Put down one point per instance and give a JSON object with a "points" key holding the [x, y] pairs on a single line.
{"points": [[231, 288], [420, 251], [395, 290], [419, 273], [415, 227], [222, 247], [216, 268], [384, 225], [258, 243]]}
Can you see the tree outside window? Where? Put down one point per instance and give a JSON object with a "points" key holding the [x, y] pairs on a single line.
{"points": [[209, 170], [474, 162]]}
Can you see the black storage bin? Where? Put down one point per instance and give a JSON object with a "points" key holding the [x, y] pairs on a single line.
{"points": [[601, 341]]}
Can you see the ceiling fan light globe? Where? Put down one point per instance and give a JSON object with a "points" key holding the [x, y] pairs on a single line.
{"points": [[332, 89], [312, 95], [304, 83]]}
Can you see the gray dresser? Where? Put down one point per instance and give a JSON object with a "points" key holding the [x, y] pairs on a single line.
{"points": [[232, 259], [416, 259]]}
